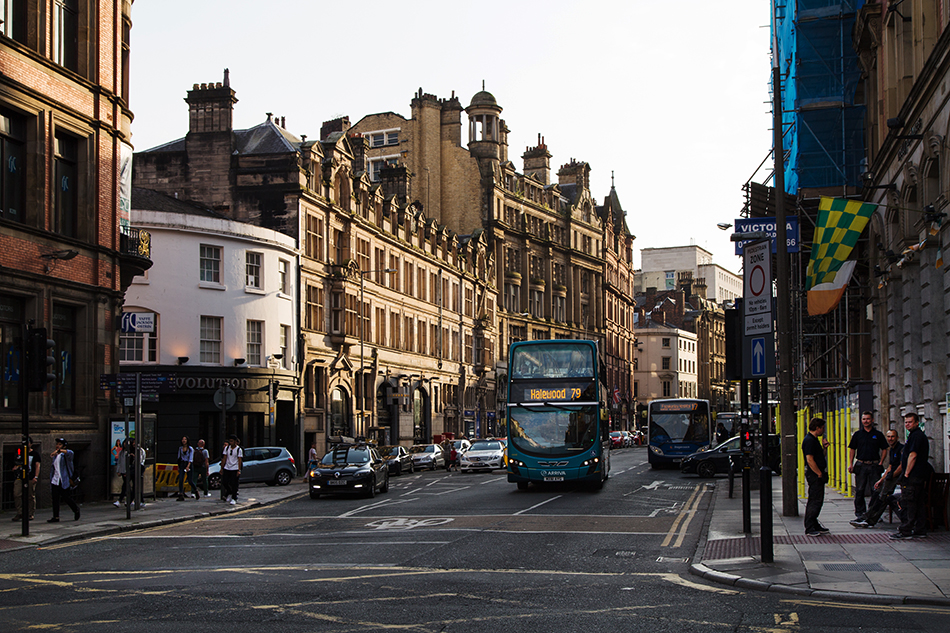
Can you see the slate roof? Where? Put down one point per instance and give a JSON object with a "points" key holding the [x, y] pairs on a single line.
{"points": [[266, 138], [150, 200]]}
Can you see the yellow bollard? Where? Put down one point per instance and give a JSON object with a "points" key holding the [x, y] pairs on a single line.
{"points": [[802, 426], [844, 453]]}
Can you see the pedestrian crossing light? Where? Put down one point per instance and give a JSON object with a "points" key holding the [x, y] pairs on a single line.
{"points": [[39, 360], [746, 438]]}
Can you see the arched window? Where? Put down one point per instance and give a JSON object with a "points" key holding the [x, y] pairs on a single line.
{"points": [[420, 418], [339, 412]]}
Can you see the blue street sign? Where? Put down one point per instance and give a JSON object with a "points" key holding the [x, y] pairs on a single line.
{"points": [[758, 356], [767, 225]]}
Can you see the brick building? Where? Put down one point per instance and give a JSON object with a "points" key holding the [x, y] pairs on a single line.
{"points": [[67, 250]]}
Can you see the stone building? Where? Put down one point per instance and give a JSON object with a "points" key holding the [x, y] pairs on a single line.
{"points": [[547, 236], [905, 62], [660, 268], [397, 311], [67, 249]]}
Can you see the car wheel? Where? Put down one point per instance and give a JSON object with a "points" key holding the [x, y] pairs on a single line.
{"points": [[385, 487], [372, 490], [706, 469], [399, 469], [214, 481], [412, 468], [314, 495], [283, 478], [522, 485]]}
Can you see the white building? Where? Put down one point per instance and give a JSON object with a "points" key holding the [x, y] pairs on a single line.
{"points": [[666, 363], [660, 268], [224, 295]]}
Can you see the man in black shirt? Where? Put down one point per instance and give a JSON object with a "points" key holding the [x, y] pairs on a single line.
{"points": [[916, 472], [884, 487], [816, 475], [870, 448]]}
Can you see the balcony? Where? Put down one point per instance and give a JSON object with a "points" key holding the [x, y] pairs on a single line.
{"points": [[135, 252]]}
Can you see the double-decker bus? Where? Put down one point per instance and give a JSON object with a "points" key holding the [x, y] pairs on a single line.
{"points": [[558, 429], [676, 428]]}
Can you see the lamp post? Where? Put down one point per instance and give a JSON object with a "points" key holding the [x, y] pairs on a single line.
{"points": [[362, 382]]}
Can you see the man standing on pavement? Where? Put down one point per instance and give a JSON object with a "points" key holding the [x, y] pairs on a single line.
{"points": [[870, 448], [32, 476], [884, 487], [816, 475], [916, 470], [232, 461]]}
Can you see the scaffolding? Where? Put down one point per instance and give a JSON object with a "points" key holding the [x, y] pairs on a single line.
{"points": [[824, 146]]}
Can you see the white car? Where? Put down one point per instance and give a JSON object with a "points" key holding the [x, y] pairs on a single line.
{"points": [[429, 456], [483, 455]]}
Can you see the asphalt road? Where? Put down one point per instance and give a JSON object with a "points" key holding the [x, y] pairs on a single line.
{"points": [[438, 552]]}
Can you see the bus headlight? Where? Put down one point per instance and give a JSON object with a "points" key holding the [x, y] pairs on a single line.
{"points": [[516, 462], [656, 450], [591, 461]]}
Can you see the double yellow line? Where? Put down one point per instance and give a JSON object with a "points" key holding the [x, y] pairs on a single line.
{"points": [[688, 512]]}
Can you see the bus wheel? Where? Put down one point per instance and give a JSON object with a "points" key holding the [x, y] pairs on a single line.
{"points": [[522, 485]]}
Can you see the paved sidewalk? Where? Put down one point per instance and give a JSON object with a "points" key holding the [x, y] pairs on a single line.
{"points": [[852, 564], [101, 517]]}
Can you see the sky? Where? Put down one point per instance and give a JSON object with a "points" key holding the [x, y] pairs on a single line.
{"points": [[669, 97]]}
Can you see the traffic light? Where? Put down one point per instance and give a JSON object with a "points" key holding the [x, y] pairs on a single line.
{"points": [[746, 438], [39, 360]]}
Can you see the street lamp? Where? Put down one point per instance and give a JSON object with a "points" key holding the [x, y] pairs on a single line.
{"points": [[362, 382]]}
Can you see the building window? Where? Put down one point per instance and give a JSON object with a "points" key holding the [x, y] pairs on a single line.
{"points": [[138, 347], [252, 268], [666, 343], [11, 320], [13, 19], [392, 138], [315, 237], [283, 276], [339, 242], [210, 340], [378, 140], [66, 34], [210, 264], [362, 254], [666, 362], [559, 308], [64, 333], [512, 302], [315, 313], [13, 164], [666, 389], [66, 184], [126, 44], [537, 302], [285, 346], [255, 342]]}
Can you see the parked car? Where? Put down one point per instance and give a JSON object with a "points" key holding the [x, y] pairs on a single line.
{"points": [[483, 455], [627, 438], [716, 460], [274, 465], [616, 439], [349, 469], [429, 456], [397, 458]]}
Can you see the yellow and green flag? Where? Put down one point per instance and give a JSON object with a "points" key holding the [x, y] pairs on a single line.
{"points": [[840, 224]]}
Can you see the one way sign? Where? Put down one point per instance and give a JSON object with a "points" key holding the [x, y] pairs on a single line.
{"points": [[758, 357]]}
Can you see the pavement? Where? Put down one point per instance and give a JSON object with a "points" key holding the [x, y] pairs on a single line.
{"points": [[849, 564], [101, 518]]}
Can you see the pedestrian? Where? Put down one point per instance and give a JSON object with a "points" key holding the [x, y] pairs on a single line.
{"points": [[883, 494], [200, 466], [186, 455], [32, 476], [916, 473], [721, 433], [125, 467], [313, 455], [62, 476], [869, 446], [232, 461], [816, 475]]}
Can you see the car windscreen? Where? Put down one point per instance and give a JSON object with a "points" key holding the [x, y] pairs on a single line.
{"points": [[422, 449], [485, 446], [388, 451], [346, 456]]}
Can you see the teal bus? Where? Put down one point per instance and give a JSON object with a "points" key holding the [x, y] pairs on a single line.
{"points": [[558, 427], [676, 427]]}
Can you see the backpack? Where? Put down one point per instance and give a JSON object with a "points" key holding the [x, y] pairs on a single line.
{"points": [[199, 460]]}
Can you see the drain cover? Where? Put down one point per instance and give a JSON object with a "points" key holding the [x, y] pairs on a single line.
{"points": [[671, 559], [852, 567]]}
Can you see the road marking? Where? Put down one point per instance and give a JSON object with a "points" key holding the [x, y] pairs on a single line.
{"points": [[537, 505], [884, 608], [371, 506], [689, 510]]}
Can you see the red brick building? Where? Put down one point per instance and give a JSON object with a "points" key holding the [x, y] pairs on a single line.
{"points": [[66, 249]]}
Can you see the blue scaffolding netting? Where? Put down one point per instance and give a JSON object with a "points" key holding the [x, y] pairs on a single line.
{"points": [[824, 127]]}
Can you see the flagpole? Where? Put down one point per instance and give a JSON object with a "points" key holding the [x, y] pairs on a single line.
{"points": [[787, 428]]}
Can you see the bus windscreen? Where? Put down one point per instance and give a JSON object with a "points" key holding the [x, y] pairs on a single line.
{"points": [[681, 423], [557, 360], [552, 430]]}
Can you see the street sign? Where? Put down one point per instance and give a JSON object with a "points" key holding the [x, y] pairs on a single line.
{"points": [[767, 225], [757, 282], [758, 357], [224, 397]]}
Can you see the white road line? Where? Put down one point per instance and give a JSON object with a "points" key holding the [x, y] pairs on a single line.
{"points": [[371, 506], [537, 505]]}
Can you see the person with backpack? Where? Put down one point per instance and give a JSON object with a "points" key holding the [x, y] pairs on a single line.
{"points": [[232, 461], [200, 466], [186, 455]]}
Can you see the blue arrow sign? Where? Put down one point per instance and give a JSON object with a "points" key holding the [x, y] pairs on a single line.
{"points": [[758, 357]]}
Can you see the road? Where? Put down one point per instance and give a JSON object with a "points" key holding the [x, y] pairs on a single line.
{"points": [[438, 552]]}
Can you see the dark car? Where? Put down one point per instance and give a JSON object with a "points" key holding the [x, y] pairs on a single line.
{"points": [[273, 465], [716, 460], [349, 469], [398, 459]]}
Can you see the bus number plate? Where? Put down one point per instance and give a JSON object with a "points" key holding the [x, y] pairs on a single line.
{"points": [[554, 479]]}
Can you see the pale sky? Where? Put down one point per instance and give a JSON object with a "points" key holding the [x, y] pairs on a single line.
{"points": [[670, 96]]}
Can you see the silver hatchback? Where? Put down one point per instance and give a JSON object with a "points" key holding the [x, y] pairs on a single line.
{"points": [[273, 465]]}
